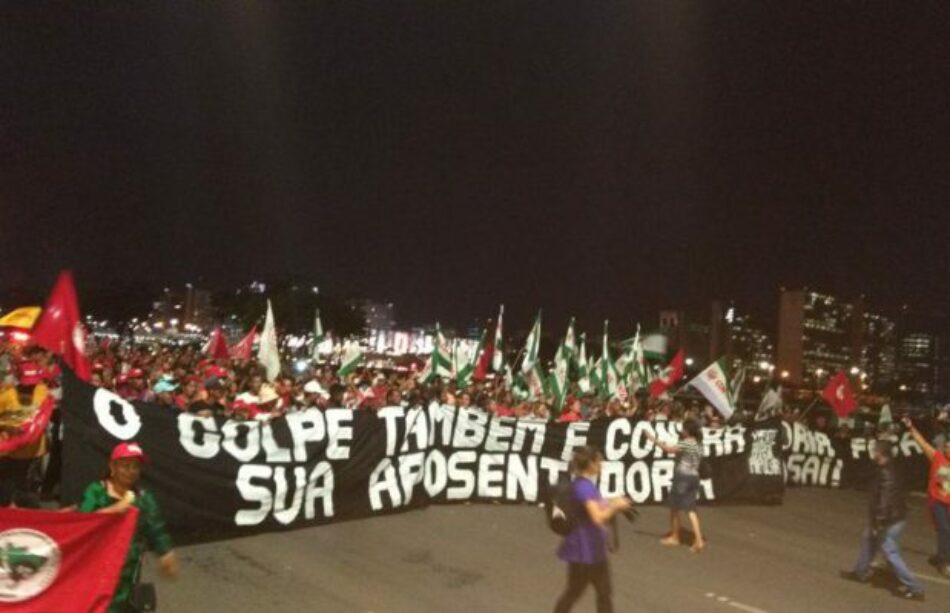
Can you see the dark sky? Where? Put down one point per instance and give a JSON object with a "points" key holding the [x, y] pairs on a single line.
{"points": [[603, 159]]}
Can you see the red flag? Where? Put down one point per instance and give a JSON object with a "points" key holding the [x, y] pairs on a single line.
{"points": [[245, 349], [670, 375], [484, 362], [59, 329], [217, 347], [30, 431], [65, 561], [839, 395]]}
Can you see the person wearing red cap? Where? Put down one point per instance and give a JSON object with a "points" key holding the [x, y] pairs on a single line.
{"points": [[116, 494], [21, 402]]}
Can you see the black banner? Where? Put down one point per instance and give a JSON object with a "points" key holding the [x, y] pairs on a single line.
{"points": [[814, 458], [215, 475]]}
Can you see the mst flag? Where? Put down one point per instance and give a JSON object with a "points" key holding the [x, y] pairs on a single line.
{"points": [[267, 353], [58, 328], [839, 396], [67, 561], [713, 383], [670, 375]]}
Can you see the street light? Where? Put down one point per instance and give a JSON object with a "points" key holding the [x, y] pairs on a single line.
{"points": [[855, 370], [785, 374], [689, 361], [763, 365]]}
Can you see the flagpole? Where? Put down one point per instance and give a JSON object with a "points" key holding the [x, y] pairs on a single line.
{"points": [[810, 407]]}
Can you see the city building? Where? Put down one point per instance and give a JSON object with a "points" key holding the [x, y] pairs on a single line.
{"points": [[726, 333], [689, 334], [923, 356], [820, 334]]}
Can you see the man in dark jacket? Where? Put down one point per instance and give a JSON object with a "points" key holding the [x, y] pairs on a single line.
{"points": [[887, 513]]}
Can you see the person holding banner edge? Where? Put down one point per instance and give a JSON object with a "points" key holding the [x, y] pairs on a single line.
{"points": [[119, 492], [685, 492], [585, 547]]}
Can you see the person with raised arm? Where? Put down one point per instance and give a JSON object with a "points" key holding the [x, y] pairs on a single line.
{"points": [[938, 493]]}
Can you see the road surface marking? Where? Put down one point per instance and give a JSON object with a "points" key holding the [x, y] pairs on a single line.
{"points": [[746, 608], [735, 604], [934, 579]]}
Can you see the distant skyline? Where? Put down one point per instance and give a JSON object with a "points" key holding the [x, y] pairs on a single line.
{"points": [[603, 161]]}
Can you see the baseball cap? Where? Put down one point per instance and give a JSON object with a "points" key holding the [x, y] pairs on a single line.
{"points": [[30, 373], [128, 450]]}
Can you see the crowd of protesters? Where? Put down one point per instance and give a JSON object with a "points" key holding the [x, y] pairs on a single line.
{"points": [[184, 379]]}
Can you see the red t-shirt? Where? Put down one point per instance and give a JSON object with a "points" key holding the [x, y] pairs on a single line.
{"points": [[939, 488], [569, 416]]}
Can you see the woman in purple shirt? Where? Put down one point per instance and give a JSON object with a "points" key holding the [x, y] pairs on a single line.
{"points": [[585, 547]]}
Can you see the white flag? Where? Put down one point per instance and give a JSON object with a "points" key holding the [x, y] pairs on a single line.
{"points": [[267, 353], [713, 383]]}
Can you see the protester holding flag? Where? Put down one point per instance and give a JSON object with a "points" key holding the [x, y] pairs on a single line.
{"points": [[685, 492], [938, 492], [585, 546], [117, 493]]}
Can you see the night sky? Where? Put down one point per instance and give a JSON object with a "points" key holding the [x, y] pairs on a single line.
{"points": [[601, 159]]}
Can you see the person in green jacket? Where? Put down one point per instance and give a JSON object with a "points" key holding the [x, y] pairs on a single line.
{"points": [[118, 493]]}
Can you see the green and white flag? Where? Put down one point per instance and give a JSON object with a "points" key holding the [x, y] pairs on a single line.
{"points": [[610, 383], [636, 370], [595, 372], [714, 384], [267, 353], [498, 355], [467, 361], [441, 355], [531, 345], [655, 346], [352, 357], [318, 335], [583, 368], [558, 380], [534, 380], [885, 419], [570, 343]]}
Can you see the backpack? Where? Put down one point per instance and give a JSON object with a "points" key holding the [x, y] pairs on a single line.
{"points": [[561, 508]]}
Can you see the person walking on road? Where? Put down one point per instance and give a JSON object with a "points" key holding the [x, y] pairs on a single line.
{"points": [[585, 546], [938, 491], [887, 519]]}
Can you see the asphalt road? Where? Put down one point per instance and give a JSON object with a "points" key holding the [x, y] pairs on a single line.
{"points": [[501, 559]]}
